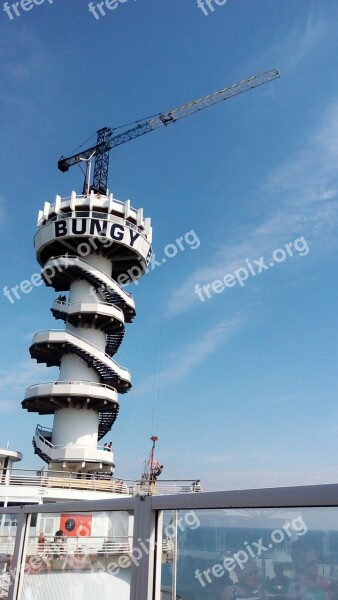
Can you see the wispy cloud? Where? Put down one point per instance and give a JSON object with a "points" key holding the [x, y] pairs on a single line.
{"points": [[311, 174], [299, 42], [25, 68], [20, 376], [304, 187], [291, 399], [182, 362], [22, 62], [14, 381]]}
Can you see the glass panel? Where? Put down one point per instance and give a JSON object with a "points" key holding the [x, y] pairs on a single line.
{"points": [[86, 556], [258, 554], [99, 215], [81, 213], [8, 526]]}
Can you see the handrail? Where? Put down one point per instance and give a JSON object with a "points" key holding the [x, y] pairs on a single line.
{"points": [[92, 383], [165, 488], [67, 481], [81, 339], [43, 428], [58, 303], [86, 262], [95, 268], [58, 479], [43, 439], [53, 473], [120, 544], [95, 302], [101, 545], [38, 433]]}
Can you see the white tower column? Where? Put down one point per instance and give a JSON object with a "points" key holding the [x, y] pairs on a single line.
{"points": [[83, 266]]}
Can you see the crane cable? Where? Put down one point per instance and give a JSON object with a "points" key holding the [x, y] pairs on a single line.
{"points": [[154, 382], [137, 121], [115, 129], [157, 377], [83, 143]]}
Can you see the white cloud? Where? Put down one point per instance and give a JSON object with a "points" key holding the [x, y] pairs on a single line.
{"points": [[292, 399], [25, 67], [20, 376], [300, 41], [294, 46], [311, 174], [182, 362], [23, 61], [304, 187], [15, 380]]}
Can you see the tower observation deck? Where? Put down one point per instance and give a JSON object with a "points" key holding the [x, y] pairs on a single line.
{"points": [[88, 246]]}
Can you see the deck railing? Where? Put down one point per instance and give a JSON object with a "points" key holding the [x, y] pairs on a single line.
{"points": [[96, 545], [102, 482], [75, 546]]}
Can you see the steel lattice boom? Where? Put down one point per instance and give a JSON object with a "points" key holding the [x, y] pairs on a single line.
{"points": [[107, 140]]}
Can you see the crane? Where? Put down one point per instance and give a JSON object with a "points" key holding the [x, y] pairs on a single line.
{"points": [[107, 138]]}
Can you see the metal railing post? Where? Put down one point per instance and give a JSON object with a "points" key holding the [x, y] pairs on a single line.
{"points": [[158, 556], [17, 563], [143, 551]]}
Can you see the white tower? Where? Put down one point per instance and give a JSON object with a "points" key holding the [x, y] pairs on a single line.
{"points": [[88, 246]]}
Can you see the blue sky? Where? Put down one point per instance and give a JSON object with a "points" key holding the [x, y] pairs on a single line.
{"points": [[242, 388]]}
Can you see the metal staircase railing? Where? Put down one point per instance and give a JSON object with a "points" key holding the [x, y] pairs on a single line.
{"points": [[112, 291], [106, 367], [114, 336]]}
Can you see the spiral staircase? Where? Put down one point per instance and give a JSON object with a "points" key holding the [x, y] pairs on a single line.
{"points": [[85, 245]]}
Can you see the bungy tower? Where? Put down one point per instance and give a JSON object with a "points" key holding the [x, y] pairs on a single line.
{"points": [[88, 247]]}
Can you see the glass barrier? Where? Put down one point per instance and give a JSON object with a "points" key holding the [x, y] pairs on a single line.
{"points": [[72, 556], [251, 554], [8, 526]]}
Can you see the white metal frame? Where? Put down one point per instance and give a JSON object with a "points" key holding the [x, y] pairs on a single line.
{"points": [[148, 514]]}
